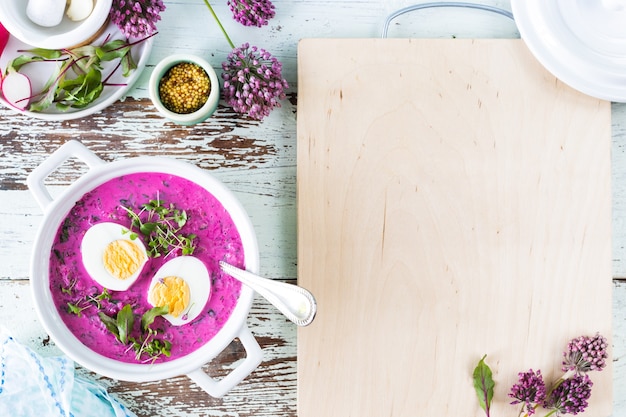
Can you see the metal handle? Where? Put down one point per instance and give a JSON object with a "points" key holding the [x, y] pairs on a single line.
{"points": [[414, 7]]}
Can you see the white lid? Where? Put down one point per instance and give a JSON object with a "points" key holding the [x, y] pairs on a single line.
{"points": [[581, 42]]}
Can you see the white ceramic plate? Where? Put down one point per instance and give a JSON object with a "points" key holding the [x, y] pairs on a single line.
{"points": [[581, 42], [40, 73]]}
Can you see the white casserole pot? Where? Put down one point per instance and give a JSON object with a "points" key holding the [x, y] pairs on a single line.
{"points": [[55, 211]]}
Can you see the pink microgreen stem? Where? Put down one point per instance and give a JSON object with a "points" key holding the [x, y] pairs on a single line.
{"points": [[106, 80], [142, 39], [59, 59]]}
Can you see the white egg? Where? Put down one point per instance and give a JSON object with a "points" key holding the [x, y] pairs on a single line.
{"points": [[184, 285], [111, 257]]}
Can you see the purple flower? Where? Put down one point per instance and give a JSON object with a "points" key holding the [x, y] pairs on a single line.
{"points": [[585, 354], [136, 18], [570, 397], [253, 82], [252, 12], [529, 390]]}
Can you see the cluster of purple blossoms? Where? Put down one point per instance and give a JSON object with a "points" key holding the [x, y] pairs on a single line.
{"points": [[570, 397], [570, 393], [252, 12], [136, 18], [585, 354], [530, 390], [253, 82]]}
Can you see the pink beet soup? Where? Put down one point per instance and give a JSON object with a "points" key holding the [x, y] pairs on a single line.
{"points": [[217, 239]]}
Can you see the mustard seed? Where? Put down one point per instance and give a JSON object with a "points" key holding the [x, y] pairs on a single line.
{"points": [[184, 88]]}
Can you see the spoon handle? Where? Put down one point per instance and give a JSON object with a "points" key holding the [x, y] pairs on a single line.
{"points": [[296, 303]]}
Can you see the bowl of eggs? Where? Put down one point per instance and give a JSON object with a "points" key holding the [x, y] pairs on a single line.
{"points": [[54, 24], [125, 268]]}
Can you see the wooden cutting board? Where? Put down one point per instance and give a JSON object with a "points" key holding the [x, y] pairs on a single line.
{"points": [[454, 200]]}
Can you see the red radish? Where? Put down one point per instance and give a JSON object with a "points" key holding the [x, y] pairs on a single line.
{"points": [[4, 38], [16, 90]]}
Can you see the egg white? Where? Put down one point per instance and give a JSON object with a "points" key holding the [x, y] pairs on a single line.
{"points": [[195, 273], [92, 250]]}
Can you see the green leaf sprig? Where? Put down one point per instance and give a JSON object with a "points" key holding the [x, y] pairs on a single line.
{"points": [[97, 299], [77, 81], [147, 343], [83, 303], [484, 385], [121, 325], [161, 224], [76, 308]]}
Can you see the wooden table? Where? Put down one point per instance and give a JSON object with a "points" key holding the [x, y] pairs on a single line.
{"points": [[257, 160]]}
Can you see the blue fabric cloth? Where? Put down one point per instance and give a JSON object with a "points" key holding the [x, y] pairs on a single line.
{"points": [[34, 386]]}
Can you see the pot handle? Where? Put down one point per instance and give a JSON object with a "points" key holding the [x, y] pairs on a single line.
{"points": [[420, 6], [254, 356], [36, 178]]}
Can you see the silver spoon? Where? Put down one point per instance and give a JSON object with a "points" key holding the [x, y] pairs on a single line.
{"points": [[296, 303]]}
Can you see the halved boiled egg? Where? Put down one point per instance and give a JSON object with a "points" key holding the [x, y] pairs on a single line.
{"points": [[111, 256], [183, 284]]}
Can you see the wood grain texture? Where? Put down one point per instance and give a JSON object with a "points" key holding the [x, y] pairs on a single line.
{"points": [[462, 209]]}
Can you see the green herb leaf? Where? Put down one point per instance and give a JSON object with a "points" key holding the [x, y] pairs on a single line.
{"points": [[104, 295], [147, 228], [17, 63], [484, 384], [180, 217], [110, 323], [147, 343], [128, 64], [75, 309], [46, 53], [82, 90], [125, 320], [148, 317], [112, 50], [167, 348]]}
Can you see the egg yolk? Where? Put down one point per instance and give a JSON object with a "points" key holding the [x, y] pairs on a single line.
{"points": [[122, 258], [172, 292]]}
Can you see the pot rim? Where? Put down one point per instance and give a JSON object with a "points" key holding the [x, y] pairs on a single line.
{"points": [[56, 211]]}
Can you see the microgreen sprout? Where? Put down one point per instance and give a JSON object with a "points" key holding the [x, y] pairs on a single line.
{"points": [[97, 299], [161, 224], [70, 288], [76, 308], [147, 343], [85, 302]]}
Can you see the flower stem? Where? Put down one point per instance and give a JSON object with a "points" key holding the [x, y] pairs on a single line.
{"points": [[556, 384], [232, 45]]}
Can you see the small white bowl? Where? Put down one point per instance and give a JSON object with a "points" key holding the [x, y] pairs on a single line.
{"points": [[203, 112], [65, 35]]}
